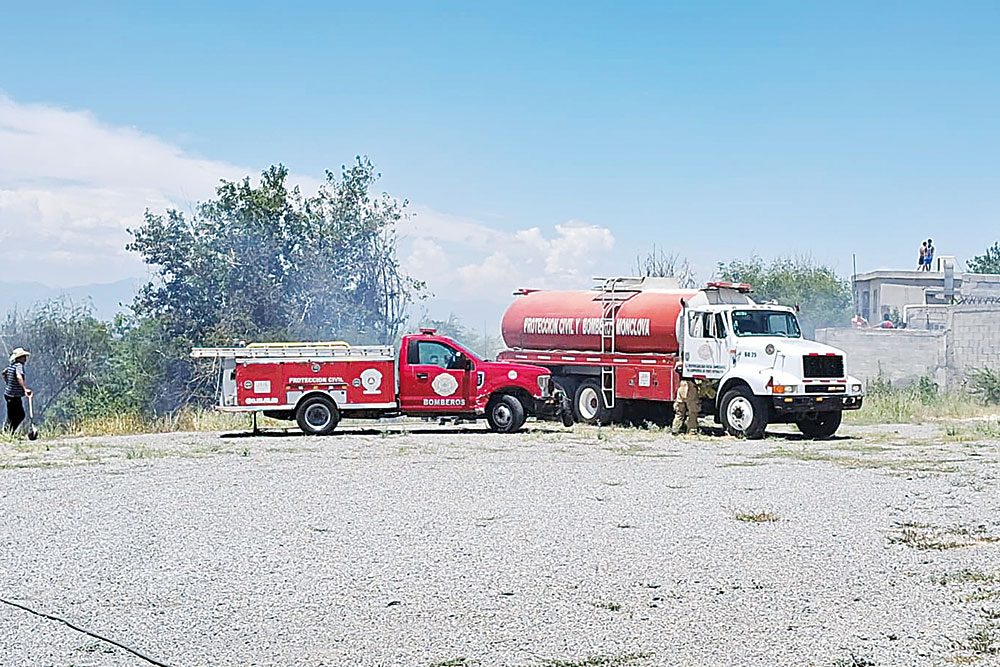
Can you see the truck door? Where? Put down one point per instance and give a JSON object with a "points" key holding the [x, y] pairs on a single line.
{"points": [[705, 353], [434, 379]]}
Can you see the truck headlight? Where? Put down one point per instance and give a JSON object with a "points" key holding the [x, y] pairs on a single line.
{"points": [[544, 382], [855, 388], [784, 388]]}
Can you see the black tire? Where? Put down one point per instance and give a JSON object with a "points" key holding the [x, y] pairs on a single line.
{"points": [[742, 414], [565, 388], [505, 414], [317, 415], [566, 411], [821, 425], [588, 404]]}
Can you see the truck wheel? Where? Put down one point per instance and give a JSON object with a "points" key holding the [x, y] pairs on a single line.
{"points": [[743, 414], [317, 415], [821, 425], [588, 404], [505, 414]]}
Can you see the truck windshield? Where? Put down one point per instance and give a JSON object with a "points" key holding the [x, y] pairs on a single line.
{"points": [[765, 323]]}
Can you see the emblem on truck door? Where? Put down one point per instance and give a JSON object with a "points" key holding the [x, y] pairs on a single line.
{"points": [[371, 380], [444, 385]]}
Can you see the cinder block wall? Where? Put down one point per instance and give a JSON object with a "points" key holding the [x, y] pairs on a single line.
{"points": [[967, 338], [973, 338], [903, 355]]}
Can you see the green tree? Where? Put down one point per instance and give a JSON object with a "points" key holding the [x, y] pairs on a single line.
{"points": [[988, 262], [824, 298], [264, 262]]}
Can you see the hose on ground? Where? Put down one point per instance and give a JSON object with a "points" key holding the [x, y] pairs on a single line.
{"points": [[152, 661]]}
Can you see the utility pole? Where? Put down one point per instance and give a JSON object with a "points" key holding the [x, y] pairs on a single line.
{"points": [[854, 283]]}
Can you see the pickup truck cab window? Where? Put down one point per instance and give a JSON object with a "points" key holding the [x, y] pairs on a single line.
{"points": [[765, 323], [432, 353]]}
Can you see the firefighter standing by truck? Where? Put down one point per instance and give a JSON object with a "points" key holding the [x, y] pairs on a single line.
{"points": [[685, 405]]}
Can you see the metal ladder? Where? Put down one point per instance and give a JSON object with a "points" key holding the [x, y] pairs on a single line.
{"points": [[613, 293], [295, 351]]}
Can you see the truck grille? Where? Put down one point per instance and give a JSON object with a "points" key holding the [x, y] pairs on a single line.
{"points": [[825, 388], [823, 366]]}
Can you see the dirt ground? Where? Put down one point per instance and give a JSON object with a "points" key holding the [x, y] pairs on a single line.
{"points": [[417, 544]]}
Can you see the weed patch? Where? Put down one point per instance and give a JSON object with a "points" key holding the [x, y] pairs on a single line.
{"points": [[939, 538], [755, 517], [601, 660], [982, 640]]}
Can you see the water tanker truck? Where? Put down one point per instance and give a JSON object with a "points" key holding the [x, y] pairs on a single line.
{"points": [[616, 350]]}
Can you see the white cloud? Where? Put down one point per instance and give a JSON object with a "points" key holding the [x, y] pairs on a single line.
{"points": [[71, 185], [465, 258]]}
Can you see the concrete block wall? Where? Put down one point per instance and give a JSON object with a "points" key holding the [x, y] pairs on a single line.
{"points": [[962, 338], [902, 355], [973, 338]]}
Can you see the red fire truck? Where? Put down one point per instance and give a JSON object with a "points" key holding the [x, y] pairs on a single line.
{"points": [[316, 384]]}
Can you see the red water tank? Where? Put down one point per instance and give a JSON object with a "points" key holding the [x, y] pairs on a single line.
{"points": [[571, 320]]}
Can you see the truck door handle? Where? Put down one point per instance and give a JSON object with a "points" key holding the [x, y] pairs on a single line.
{"points": [[421, 376]]}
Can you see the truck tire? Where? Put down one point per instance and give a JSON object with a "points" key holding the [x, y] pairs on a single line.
{"points": [[317, 415], [821, 425], [505, 414], [743, 415], [565, 389], [588, 404]]}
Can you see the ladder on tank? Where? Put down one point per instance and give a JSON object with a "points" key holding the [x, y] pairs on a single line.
{"points": [[613, 293]]}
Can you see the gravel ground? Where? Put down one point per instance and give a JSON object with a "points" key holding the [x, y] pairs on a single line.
{"points": [[416, 545]]}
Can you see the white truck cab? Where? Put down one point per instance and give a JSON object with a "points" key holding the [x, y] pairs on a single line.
{"points": [[764, 371]]}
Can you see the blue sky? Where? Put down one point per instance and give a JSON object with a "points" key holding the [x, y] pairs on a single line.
{"points": [[716, 129]]}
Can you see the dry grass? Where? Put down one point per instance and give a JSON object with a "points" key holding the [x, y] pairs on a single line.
{"points": [[185, 419], [939, 538], [909, 406]]}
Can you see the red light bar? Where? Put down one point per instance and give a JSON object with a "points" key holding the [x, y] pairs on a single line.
{"points": [[428, 331], [739, 287]]}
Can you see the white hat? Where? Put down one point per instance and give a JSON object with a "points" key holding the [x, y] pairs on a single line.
{"points": [[17, 353]]}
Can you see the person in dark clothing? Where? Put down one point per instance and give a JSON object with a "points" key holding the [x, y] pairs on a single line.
{"points": [[15, 387]]}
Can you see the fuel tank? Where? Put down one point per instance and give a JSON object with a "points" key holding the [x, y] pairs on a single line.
{"points": [[571, 320]]}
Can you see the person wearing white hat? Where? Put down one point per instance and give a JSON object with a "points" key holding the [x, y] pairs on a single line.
{"points": [[15, 388]]}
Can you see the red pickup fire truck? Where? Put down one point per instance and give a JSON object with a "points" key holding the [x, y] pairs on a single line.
{"points": [[316, 384]]}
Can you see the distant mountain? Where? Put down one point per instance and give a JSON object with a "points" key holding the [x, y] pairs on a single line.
{"points": [[106, 298]]}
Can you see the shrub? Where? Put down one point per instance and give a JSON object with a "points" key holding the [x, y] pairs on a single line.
{"points": [[984, 384]]}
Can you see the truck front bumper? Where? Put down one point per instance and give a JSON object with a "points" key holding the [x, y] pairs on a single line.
{"points": [[798, 404]]}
